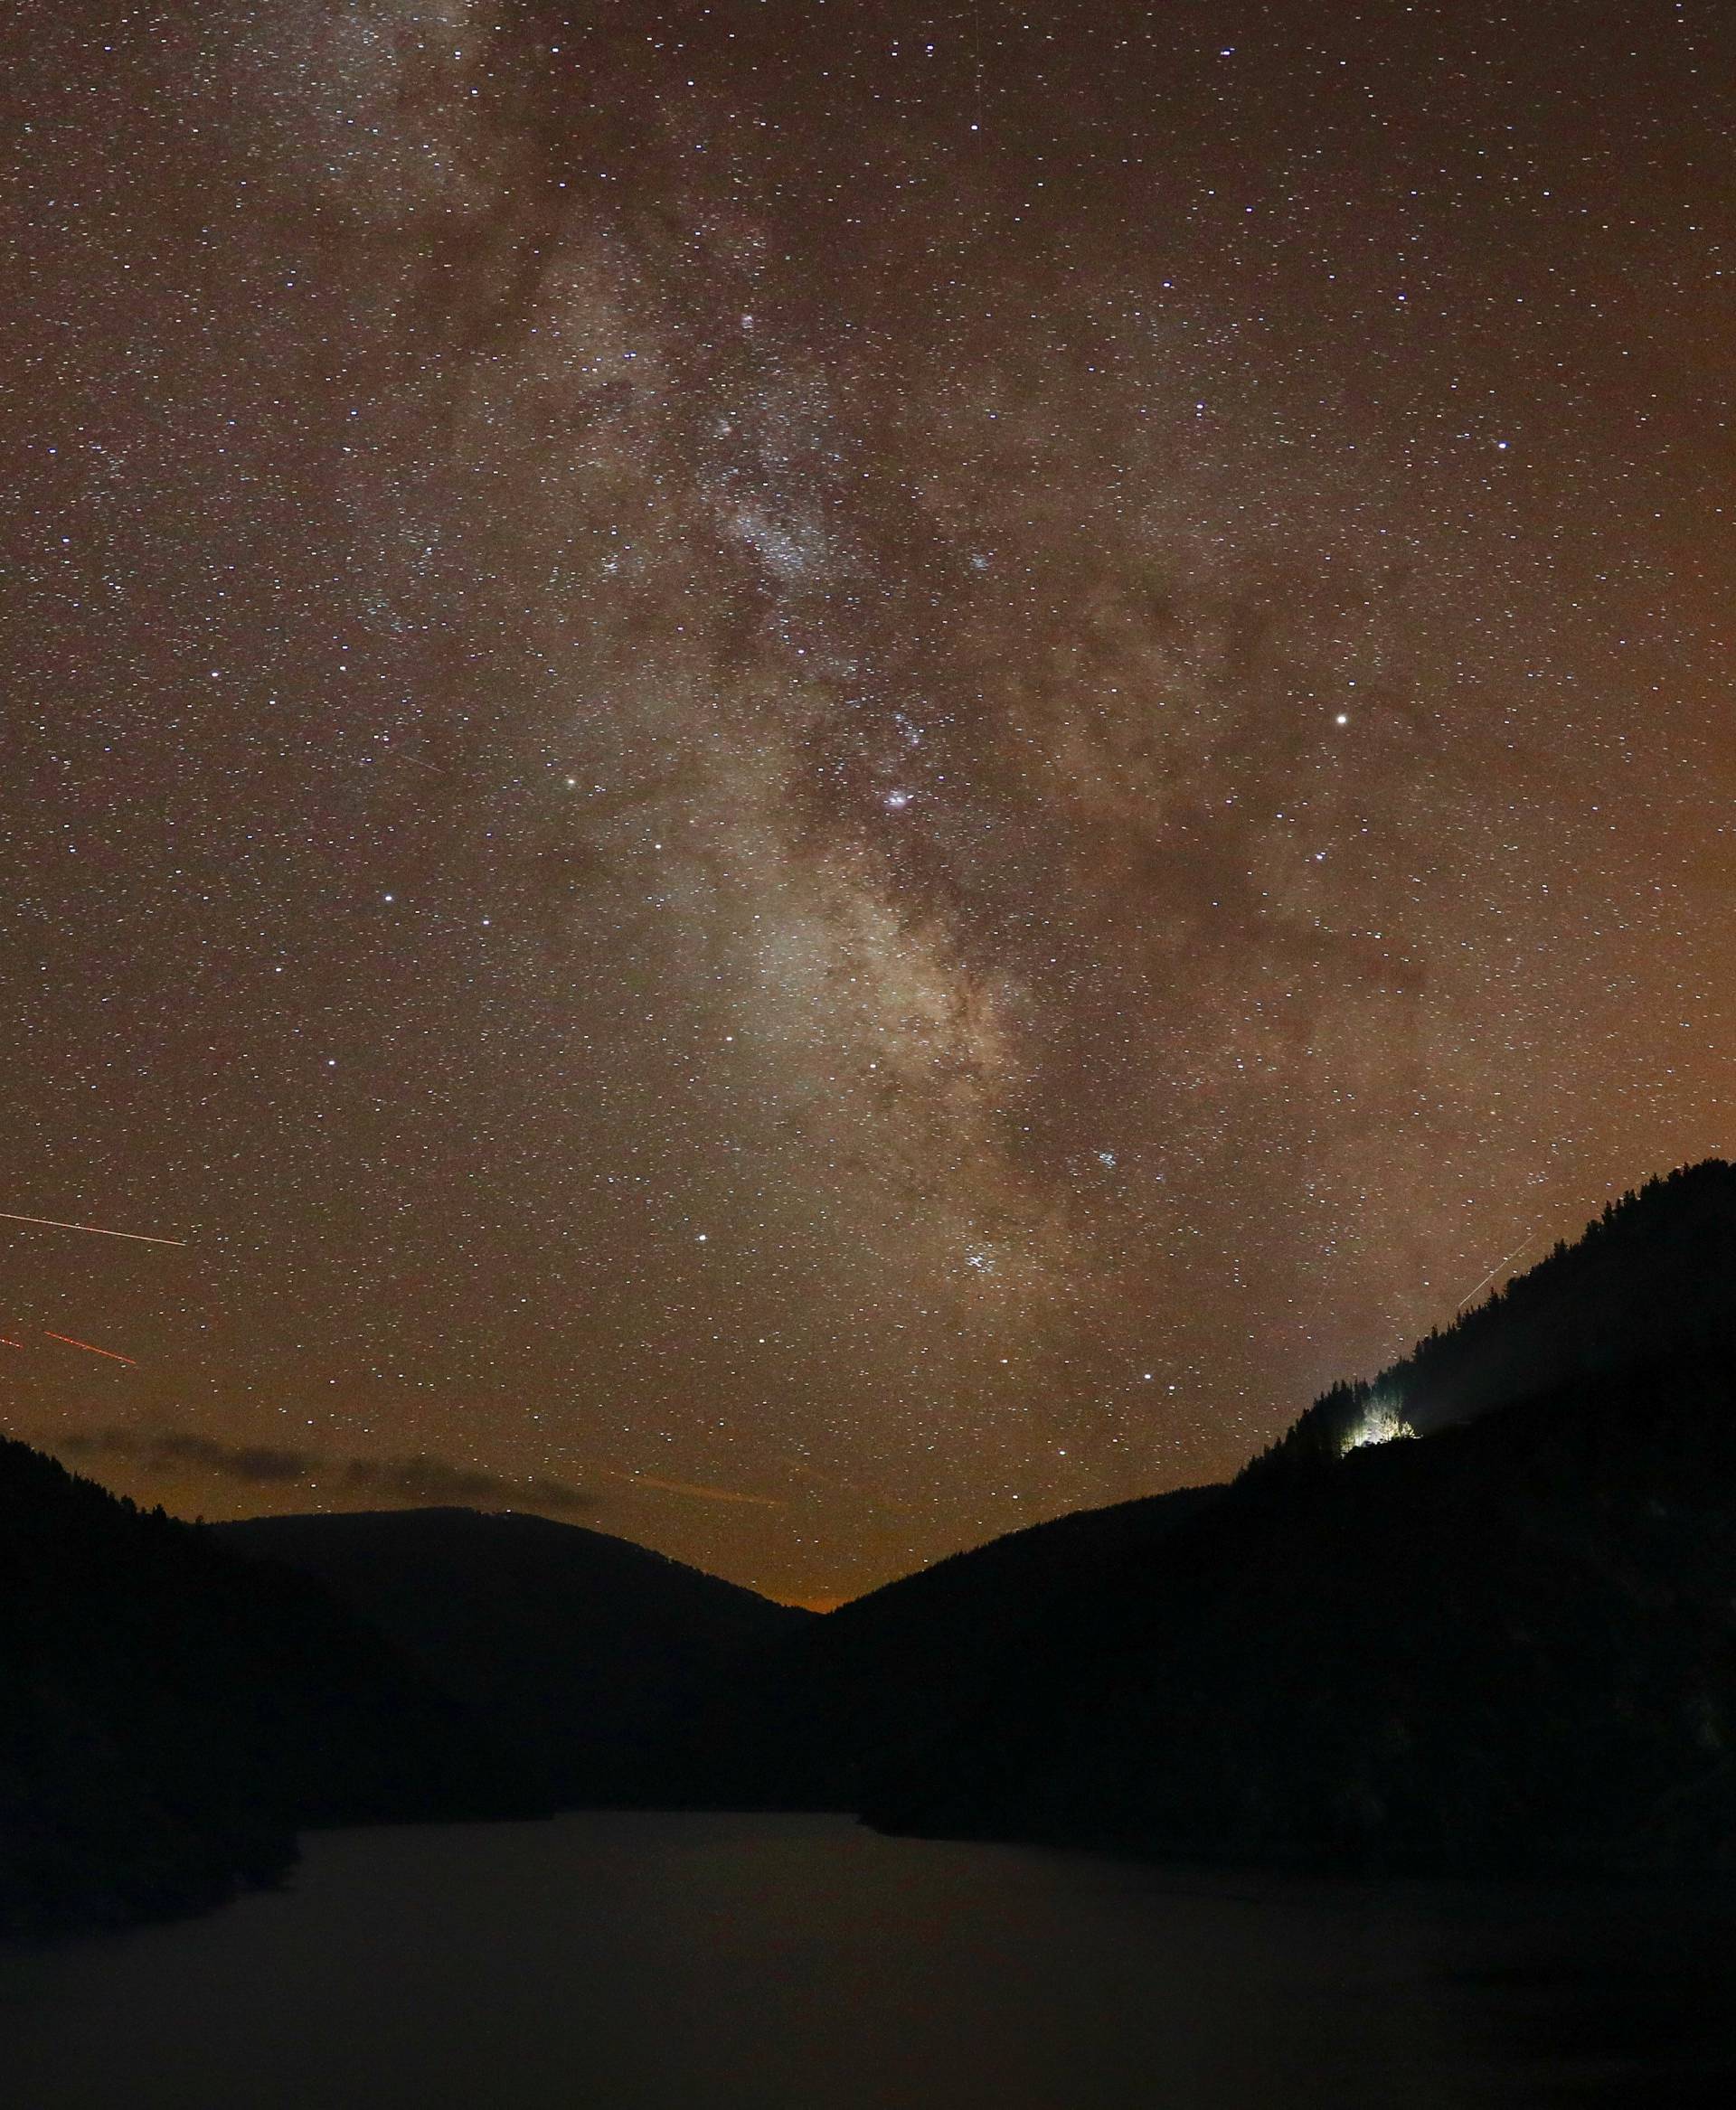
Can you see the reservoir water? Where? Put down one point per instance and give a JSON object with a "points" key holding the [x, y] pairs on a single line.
{"points": [[622, 1961]]}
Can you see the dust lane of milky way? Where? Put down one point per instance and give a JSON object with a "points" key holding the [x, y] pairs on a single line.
{"points": [[895, 760]]}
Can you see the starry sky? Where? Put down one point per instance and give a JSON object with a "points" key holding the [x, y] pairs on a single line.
{"points": [[808, 777]]}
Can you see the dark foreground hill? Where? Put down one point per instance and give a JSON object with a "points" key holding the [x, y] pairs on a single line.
{"points": [[1509, 1645], [172, 1713], [575, 1646], [811, 1721]]}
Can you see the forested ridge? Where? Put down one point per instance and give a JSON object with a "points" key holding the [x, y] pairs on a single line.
{"points": [[172, 1713]]}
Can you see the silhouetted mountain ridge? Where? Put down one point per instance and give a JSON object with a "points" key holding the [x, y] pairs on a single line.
{"points": [[573, 1645], [803, 1724], [174, 1712]]}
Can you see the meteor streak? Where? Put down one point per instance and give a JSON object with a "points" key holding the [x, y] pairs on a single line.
{"points": [[55, 1223], [90, 1347]]}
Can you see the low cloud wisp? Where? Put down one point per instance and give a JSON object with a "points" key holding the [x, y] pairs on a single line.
{"points": [[413, 1480]]}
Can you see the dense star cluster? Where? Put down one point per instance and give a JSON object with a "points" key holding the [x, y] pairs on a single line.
{"points": [[810, 776]]}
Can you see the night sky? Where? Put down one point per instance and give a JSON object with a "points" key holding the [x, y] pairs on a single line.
{"points": [[808, 777]]}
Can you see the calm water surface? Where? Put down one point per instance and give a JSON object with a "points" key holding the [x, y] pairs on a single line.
{"points": [[705, 1962]]}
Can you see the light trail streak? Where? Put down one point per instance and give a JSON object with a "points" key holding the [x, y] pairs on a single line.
{"points": [[695, 1492], [1495, 1270], [96, 1230], [91, 1348]]}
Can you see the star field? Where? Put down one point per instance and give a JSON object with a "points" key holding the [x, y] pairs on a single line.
{"points": [[808, 778]]}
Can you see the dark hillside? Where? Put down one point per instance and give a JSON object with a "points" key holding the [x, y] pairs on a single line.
{"points": [[1652, 1278], [172, 1713], [1510, 1643], [804, 1724], [576, 1647]]}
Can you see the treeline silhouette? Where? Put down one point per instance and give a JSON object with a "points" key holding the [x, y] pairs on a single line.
{"points": [[1653, 1276]]}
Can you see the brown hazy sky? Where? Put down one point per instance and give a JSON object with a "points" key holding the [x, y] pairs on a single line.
{"points": [[808, 778]]}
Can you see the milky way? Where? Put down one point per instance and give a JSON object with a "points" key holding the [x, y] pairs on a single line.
{"points": [[832, 775]]}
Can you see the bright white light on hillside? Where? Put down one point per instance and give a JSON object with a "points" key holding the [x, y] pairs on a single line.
{"points": [[1380, 1422]]}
